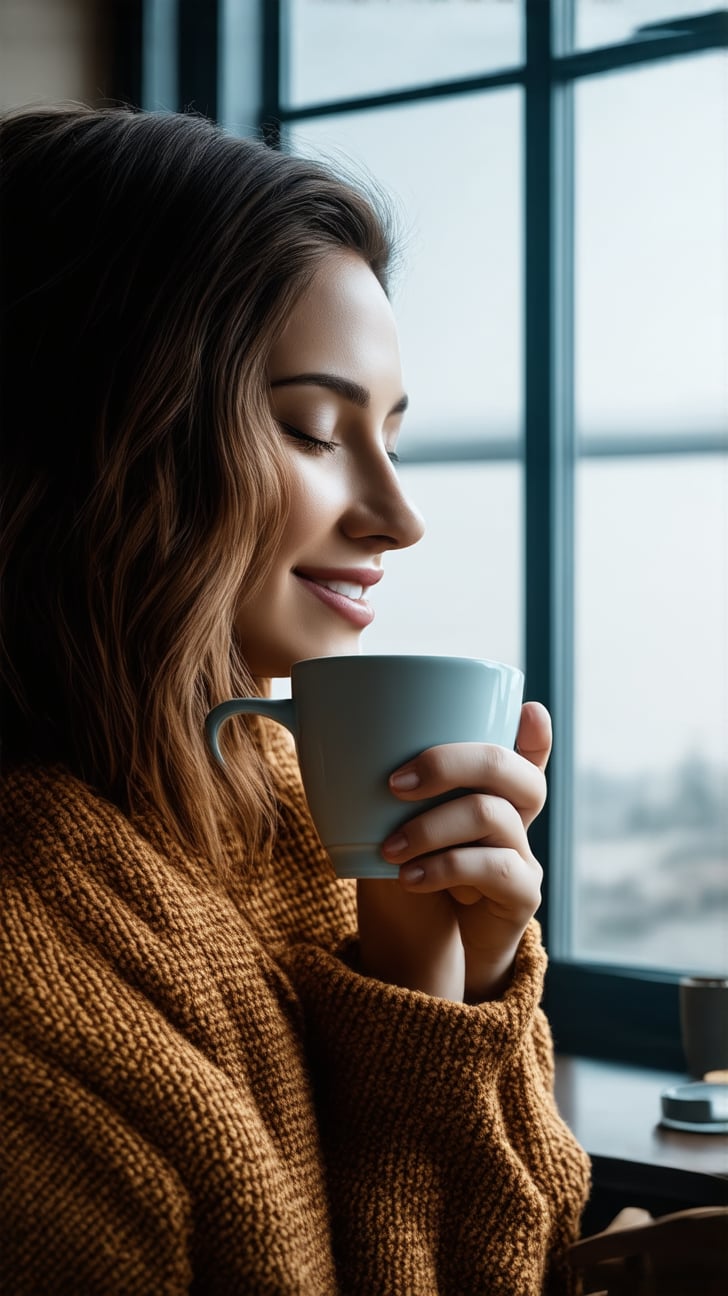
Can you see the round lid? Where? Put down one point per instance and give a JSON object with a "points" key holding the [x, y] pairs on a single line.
{"points": [[698, 1108]]}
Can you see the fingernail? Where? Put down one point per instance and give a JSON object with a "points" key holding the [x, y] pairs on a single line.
{"points": [[395, 845], [405, 780], [412, 873]]}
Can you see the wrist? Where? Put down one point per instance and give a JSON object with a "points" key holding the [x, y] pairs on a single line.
{"points": [[410, 941], [489, 976], [442, 976]]}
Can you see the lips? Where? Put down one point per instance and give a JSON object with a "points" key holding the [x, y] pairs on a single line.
{"points": [[342, 590], [363, 576]]}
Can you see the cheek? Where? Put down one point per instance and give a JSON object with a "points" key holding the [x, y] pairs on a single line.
{"points": [[316, 499]]}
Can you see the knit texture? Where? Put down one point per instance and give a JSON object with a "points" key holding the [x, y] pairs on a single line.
{"points": [[200, 1092]]}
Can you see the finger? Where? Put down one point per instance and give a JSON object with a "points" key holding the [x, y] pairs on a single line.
{"points": [[474, 817], [535, 734], [483, 767], [510, 882]]}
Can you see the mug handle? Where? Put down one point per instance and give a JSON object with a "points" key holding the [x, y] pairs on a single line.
{"points": [[281, 709]]}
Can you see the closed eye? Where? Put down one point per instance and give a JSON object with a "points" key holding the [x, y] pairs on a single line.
{"points": [[315, 445]]}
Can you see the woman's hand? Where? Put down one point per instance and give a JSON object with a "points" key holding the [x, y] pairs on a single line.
{"points": [[468, 882]]}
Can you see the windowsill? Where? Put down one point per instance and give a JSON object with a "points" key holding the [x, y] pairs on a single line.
{"points": [[614, 1111]]}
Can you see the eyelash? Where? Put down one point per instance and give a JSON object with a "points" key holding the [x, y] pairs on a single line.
{"points": [[315, 446]]}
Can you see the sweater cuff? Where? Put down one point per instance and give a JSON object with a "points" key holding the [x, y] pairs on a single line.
{"points": [[408, 1032]]}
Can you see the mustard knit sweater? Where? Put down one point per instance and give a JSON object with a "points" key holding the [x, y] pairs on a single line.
{"points": [[200, 1093]]}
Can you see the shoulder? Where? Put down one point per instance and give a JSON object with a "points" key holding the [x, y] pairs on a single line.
{"points": [[106, 937], [61, 838], [83, 884]]}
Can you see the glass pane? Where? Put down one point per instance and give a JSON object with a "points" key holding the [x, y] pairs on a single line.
{"points": [[609, 22], [341, 48], [453, 168], [459, 591], [651, 713], [651, 268]]}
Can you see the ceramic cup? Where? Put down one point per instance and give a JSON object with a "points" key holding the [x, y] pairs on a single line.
{"points": [[356, 719], [704, 1024]]}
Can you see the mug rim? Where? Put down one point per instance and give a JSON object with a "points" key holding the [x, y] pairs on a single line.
{"points": [[418, 657]]}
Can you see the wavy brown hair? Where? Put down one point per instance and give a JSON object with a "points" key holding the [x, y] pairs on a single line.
{"points": [[147, 263]]}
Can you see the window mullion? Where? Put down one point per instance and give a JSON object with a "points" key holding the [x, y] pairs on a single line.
{"points": [[560, 879], [198, 65], [538, 412], [273, 19]]}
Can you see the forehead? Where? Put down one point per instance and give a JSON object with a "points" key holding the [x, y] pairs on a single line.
{"points": [[342, 323]]}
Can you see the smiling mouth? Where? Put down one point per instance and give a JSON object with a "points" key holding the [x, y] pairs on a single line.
{"points": [[346, 588], [344, 597]]}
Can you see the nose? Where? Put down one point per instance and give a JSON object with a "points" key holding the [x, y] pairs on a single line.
{"points": [[380, 510]]}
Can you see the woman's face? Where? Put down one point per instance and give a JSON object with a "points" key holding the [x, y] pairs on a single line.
{"points": [[336, 392]]}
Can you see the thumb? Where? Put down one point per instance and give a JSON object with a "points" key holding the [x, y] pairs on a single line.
{"points": [[535, 734]]}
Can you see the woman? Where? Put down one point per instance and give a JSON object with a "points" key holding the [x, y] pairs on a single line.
{"points": [[226, 1071]]}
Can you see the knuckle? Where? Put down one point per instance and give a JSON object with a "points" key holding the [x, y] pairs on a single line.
{"points": [[504, 866], [484, 813], [495, 759], [450, 860]]}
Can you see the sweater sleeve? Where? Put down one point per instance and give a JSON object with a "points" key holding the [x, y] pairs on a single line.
{"points": [[440, 1131]]}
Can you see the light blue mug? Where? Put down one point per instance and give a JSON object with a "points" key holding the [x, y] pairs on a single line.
{"points": [[357, 719]]}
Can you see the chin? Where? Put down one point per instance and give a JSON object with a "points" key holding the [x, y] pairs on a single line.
{"points": [[280, 665], [346, 646]]}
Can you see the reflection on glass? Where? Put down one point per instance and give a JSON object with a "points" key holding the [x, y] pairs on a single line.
{"points": [[651, 713], [341, 48], [453, 168], [651, 268], [459, 591], [609, 22]]}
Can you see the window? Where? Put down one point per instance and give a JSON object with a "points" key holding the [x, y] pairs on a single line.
{"points": [[639, 815], [650, 491], [560, 166], [458, 303]]}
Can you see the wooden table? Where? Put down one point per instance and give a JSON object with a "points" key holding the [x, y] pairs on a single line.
{"points": [[614, 1111]]}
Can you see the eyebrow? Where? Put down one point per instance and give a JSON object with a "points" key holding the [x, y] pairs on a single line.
{"points": [[351, 391]]}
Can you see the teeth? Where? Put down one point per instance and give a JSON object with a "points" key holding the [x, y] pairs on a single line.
{"points": [[343, 587]]}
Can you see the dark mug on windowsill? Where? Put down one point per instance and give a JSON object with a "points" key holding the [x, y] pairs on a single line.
{"points": [[704, 1024]]}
